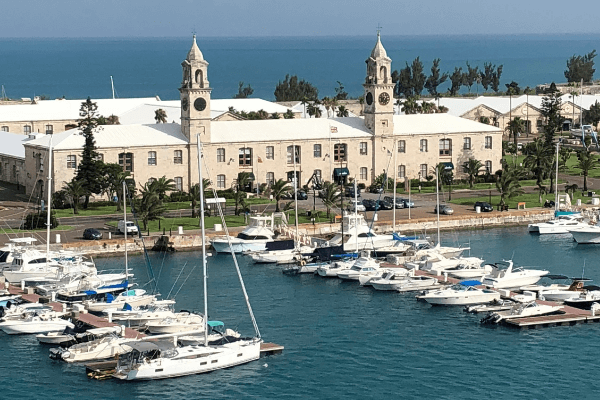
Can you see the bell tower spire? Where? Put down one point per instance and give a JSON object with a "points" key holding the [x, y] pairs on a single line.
{"points": [[195, 96], [379, 90]]}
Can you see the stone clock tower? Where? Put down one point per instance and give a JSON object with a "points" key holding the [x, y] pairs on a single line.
{"points": [[379, 92], [195, 96]]}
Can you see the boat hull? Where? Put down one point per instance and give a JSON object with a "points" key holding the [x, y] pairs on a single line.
{"points": [[466, 300], [239, 246], [586, 236], [21, 327]]}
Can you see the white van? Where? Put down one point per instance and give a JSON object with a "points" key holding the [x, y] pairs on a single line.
{"points": [[131, 227]]}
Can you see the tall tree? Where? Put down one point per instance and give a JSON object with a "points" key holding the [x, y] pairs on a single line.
{"points": [[163, 185], [411, 105], [160, 116], [514, 128], [592, 116], [404, 82], [340, 93], [581, 67], [314, 110], [74, 190], [538, 159], [495, 84], [291, 89], [457, 79], [342, 112], [89, 170], [587, 162], [472, 167], [243, 92], [278, 190], [513, 88], [150, 207], [418, 77], [112, 182], [435, 79], [471, 76], [508, 182], [487, 75], [331, 195], [550, 110]]}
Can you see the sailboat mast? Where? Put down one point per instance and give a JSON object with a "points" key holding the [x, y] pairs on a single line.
{"points": [[355, 214], [395, 177], [437, 195], [112, 85], [125, 232], [48, 207], [295, 196], [556, 180], [201, 187]]}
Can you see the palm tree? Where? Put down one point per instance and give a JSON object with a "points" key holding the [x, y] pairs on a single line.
{"points": [[542, 190], [539, 159], [160, 115], [472, 168], [74, 190], [326, 101], [334, 105], [514, 128], [508, 182], [314, 110], [331, 195], [411, 106], [163, 185], [587, 162], [150, 206], [343, 112], [113, 120], [278, 190]]}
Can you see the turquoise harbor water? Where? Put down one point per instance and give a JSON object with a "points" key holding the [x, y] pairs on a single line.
{"points": [[78, 68], [346, 342]]}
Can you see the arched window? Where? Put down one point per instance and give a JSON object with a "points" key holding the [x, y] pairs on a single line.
{"points": [[488, 166], [401, 171], [383, 74], [200, 78], [220, 181], [423, 145], [151, 158], [296, 151]]}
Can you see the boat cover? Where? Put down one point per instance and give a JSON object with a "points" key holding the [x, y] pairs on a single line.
{"points": [[280, 245], [213, 324], [470, 283]]}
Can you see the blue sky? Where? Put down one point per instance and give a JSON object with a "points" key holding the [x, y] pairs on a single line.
{"points": [[223, 18]]}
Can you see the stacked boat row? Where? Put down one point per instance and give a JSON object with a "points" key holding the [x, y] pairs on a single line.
{"points": [[568, 222]]}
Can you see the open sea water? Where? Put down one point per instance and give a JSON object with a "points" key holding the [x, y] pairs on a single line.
{"points": [[347, 342], [145, 67]]}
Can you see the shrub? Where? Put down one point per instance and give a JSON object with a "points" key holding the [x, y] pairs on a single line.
{"points": [[38, 220]]}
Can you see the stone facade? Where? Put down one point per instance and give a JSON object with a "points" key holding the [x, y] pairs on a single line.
{"points": [[12, 169], [27, 127]]}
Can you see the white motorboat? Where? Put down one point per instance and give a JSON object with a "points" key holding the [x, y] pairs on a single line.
{"points": [[520, 310], [54, 337], [561, 224], [153, 361], [463, 294], [586, 235], [467, 271], [440, 264], [99, 349], [8, 250], [254, 237], [357, 235], [36, 323], [505, 276], [366, 280], [14, 312], [364, 266], [138, 316], [280, 252], [415, 283], [561, 294], [176, 323], [391, 279], [331, 270], [133, 297]]}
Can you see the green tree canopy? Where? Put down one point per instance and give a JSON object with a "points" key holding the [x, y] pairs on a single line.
{"points": [[291, 89], [592, 116], [471, 76], [340, 93], [89, 171], [472, 167], [581, 67], [435, 79], [457, 78], [243, 92], [551, 108]]}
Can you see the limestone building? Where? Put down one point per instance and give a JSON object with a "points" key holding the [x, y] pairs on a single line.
{"points": [[330, 148]]}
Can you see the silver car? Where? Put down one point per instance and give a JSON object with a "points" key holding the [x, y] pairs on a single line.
{"points": [[444, 209]]}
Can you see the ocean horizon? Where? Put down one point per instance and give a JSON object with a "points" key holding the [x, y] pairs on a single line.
{"points": [[150, 66]]}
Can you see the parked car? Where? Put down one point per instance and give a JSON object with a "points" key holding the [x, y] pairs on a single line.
{"points": [[290, 195], [131, 227], [376, 189], [370, 205], [323, 193], [406, 203], [399, 203], [359, 207], [444, 209], [349, 192], [385, 204], [92, 234], [483, 206]]}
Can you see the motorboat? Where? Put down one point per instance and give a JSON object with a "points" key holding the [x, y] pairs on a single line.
{"points": [[469, 271], [138, 316], [331, 270], [463, 294], [505, 276], [416, 283], [357, 235], [364, 266], [560, 224], [36, 323], [520, 310], [391, 279], [183, 321], [133, 297], [279, 252], [302, 267], [8, 250], [586, 235], [98, 349], [254, 237], [365, 280], [438, 264], [585, 300], [574, 290], [14, 312]]}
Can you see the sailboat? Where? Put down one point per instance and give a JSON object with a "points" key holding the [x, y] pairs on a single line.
{"points": [[158, 360]]}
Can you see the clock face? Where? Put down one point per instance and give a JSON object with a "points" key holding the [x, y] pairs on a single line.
{"points": [[369, 98], [200, 104], [384, 98], [185, 104]]}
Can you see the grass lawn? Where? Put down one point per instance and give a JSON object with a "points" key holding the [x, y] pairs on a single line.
{"points": [[476, 186], [9, 231], [531, 200], [572, 168]]}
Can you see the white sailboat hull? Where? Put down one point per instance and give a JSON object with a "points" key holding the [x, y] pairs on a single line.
{"points": [[29, 327], [133, 302]]}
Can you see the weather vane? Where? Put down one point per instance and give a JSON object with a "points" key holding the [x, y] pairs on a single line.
{"points": [[379, 28]]}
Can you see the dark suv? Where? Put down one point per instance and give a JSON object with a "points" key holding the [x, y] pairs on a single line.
{"points": [[349, 191], [92, 234], [483, 206]]}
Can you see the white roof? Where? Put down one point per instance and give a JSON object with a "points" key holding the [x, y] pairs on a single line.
{"points": [[287, 129], [117, 136], [426, 124], [47, 110], [12, 144]]}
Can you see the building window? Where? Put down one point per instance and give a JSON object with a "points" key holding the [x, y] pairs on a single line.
{"points": [[423, 145], [317, 173], [423, 171], [290, 176], [339, 152], [220, 155], [220, 181], [14, 172], [49, 129], [270, 178], [317, 150], [27, 129], [178, 183], [5, 129], [488, 142], [488, 166], [363, 148], [445, 147], [401, 171], [296, 150], [538, 123], [270, 153], [245, 156], [71, 161], [363, 173], [401, 146], [151, 158], [467, 145], [178, 157], [126, 161]]}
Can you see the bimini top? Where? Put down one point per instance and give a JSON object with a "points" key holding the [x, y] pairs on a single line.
{"points": [[470, 283], [214, 324]]}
